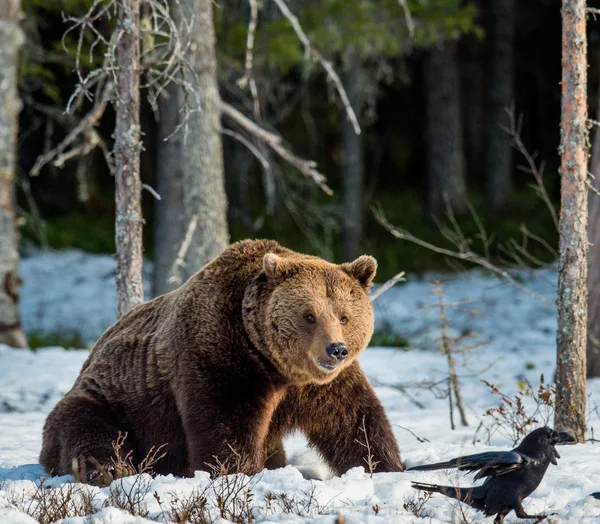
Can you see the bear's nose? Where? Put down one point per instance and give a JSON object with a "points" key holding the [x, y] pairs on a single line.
{"points": [[337, 350]]}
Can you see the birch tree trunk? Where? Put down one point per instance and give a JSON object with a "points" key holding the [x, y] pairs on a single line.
{"points": [[572, 276], [499, 96], [445, 156], [128, 222], [11, 39], [200, 155]]}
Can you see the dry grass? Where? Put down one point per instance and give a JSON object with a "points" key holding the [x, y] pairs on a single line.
{"points": [[47, 504], [511, 418]]}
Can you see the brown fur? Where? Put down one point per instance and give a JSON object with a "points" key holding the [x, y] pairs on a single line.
{"points": [[225, 366]]}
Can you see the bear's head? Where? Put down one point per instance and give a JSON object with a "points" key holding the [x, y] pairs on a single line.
{"points": [[311, 318]]}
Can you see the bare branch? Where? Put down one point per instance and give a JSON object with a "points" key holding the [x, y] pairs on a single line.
{"points": [[254, 150], [152, 191], [312, 51], [306, 167], [242, 82], [409, 20], [399, 277], [88, 122], [175, 277], [462, 253], [514, 130]]}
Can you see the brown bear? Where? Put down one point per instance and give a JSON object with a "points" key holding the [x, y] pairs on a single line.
{"points": [[260, 342]]}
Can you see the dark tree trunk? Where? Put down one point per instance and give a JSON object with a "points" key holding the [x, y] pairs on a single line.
{"points": [[445, 157], [199, 195], [11, 39], [593, 329], [499, 96], [472, 89], [128, 224], [353, 168], [572, 276]]}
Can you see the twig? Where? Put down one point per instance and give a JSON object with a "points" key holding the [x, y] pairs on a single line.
{"points": [[175, 277], [409, 21], [447, 349], [88, 122], [371, 464], [311, 51], [306, 167], [514, 130], [387, 285], [251, 147], [461, 254], [152, 191], [420, 439]]}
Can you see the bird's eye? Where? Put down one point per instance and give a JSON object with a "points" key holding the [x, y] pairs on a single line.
{"points": [[310, 319], [344, 320]]}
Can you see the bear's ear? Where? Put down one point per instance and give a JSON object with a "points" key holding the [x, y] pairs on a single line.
{"points": [[275, 266], [362, 269]]}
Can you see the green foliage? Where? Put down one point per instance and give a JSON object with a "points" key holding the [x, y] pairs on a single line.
{"points": [[63, 339], [386, 337], [94, 234], [441, 19], [374, 30]]}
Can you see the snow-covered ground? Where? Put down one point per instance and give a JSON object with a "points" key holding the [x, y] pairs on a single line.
{"points": [[515, 338]]}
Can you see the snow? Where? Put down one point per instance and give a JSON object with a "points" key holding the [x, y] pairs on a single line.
{"points": [[514, 334]]}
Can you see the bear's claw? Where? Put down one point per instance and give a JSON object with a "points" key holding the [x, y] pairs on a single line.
{"points": [[102, 475]]}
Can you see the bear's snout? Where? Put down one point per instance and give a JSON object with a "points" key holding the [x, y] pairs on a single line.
{"points": [[337, 351]]}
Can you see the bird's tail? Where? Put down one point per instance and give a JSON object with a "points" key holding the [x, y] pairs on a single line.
{"points": [[463, 494]]}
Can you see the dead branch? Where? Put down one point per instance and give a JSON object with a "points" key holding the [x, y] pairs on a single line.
{"points": [[151, 190], [306, 167], [85, 129], [409, 20], [312, 51], [179, 261], [254, 150], [248, 79], [463, 253], [447, 347], [514, 130], [399, 277], [371, 464], [420, 439]]}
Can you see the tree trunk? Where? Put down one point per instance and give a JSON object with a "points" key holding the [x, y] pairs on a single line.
{"points": [[11, 39], [499, 97], [200, 154], [593, 329], [169, 227], [353, 158], [572, 276], [445, 157], [472, 89], [128, 223]]}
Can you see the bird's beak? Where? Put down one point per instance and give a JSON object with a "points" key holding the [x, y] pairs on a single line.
{"points": [[560, 438], [563, 438]]}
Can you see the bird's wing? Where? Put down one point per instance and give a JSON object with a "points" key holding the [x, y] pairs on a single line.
{"points": [[490, 463]]}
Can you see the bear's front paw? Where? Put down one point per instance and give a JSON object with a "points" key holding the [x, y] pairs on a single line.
{"points": [[102, 475]]}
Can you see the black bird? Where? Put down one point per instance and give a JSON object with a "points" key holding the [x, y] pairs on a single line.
{"points": [[512, 475]]}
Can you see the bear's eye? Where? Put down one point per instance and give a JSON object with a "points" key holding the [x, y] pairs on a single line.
{"points": [[310, 319], [344, 320]]}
